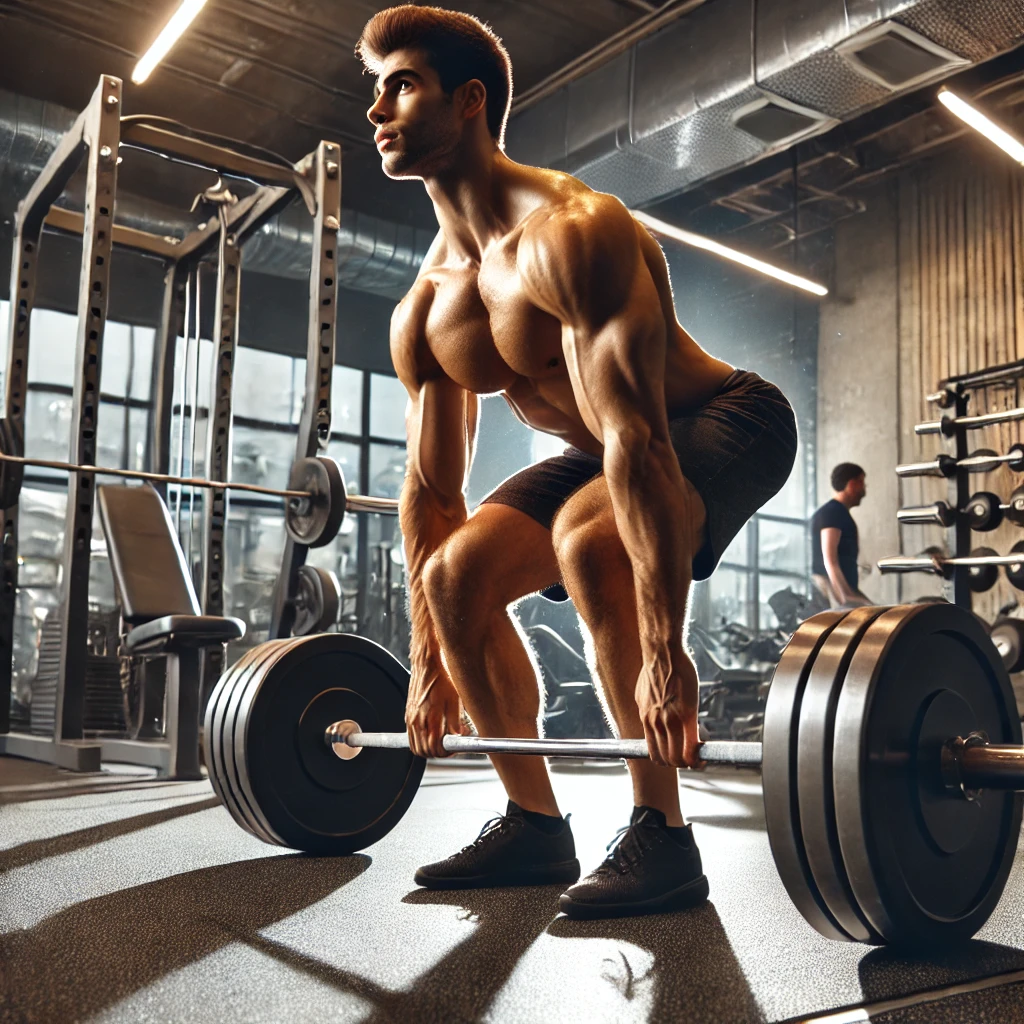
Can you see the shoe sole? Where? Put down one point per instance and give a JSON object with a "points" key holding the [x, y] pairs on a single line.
{"points": [[690, 895], [567, 871]]}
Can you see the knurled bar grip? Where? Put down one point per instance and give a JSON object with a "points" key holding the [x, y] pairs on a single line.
{"points": [[716, 751]]}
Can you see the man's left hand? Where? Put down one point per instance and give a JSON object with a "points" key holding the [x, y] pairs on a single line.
{"points": [[667, 697]]}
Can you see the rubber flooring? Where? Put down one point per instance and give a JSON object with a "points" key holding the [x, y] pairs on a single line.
{"points": [[137, 900]]}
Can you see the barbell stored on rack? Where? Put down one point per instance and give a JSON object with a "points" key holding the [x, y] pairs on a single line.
{"points": [[984, 564], [316, 498], [875, 748], [981, 461], [948, 425]]}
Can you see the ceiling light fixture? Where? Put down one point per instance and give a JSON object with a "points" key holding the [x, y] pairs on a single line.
{"points": [[660, 227], [981, 123], [180, 20]]}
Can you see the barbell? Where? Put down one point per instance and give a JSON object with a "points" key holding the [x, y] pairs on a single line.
{"points": [[890, 756], [316, 498], [984, 460]]}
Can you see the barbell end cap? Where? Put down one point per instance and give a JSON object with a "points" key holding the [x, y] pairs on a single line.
{"points": [[336, 736]]}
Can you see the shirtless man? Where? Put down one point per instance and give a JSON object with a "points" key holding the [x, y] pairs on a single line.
{"points": [[551, 294]]}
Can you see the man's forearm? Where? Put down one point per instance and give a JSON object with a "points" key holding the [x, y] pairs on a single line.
{"points": [[838, 580], [427, 521], [656, 525]]}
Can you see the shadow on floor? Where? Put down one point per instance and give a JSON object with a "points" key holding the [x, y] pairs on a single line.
{"points": [[750, 819], [887, 973], [695, 974], [96, 953], [70, 842], [462, 984]]}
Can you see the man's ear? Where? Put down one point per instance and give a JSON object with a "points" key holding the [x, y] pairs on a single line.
{"points": [[471, 98]]}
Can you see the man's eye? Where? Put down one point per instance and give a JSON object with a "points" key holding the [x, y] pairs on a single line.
{"points": [[402, 83]]}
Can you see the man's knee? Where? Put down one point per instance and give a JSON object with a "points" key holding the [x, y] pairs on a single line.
{"points": [[591, 555], [458, 586]]}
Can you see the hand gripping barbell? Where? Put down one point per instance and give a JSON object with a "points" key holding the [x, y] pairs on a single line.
{"points": [[891, 748], [316, 498]]}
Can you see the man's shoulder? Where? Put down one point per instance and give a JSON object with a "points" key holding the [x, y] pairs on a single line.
{"points": [[831, 514]]}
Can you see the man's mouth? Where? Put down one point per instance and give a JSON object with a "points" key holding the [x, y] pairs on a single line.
{"points": [[383, 139]]}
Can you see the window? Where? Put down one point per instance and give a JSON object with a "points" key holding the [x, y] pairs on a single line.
{"points": [[388, 399]]}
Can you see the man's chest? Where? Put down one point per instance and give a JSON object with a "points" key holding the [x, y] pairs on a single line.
{"points": [[483, 329]]}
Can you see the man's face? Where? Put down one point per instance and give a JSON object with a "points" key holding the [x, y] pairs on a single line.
{"points": [[857, 489], [416, 124]]}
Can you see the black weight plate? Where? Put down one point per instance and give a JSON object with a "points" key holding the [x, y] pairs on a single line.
{"points": [[982, 577], [323, 479], [221, 735], [927, 865], [984, 511], [1008, 636], [317, 600], [219, 772], [310, 798], [212, 729], [1015, 512], [1015, 572], [778, 771], [263, 656], [814, 787]]}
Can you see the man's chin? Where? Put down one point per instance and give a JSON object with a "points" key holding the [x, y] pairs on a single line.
{"points": [[397, 168]]}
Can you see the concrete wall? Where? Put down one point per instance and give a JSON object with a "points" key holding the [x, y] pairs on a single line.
{"points": [[858, 408]]}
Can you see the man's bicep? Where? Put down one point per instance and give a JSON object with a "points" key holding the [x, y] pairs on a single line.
{"points": [[830, 536], [437, 424]]}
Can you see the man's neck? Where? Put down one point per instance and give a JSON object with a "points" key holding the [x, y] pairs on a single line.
{"points": [[472, 202], [843, 499]]}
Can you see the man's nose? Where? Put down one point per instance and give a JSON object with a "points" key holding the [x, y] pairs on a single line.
{"points": [[375, 114]]}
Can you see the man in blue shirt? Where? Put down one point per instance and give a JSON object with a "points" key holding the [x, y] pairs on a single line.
{"points": [[834, 543]]}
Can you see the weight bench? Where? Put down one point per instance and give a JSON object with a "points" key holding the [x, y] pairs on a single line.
{"points": [[160, 611]]}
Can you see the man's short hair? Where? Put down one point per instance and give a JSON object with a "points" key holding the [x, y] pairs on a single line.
{"points": [[458, 47], [844, 473]]}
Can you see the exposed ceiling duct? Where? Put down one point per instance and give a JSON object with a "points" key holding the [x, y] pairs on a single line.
{"points": [[374, 255], [737, 80]]}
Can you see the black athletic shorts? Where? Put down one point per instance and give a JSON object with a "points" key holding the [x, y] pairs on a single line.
{"points": [[737, 451]]}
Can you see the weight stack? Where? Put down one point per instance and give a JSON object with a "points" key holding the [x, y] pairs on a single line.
{"points": [[104, 706]]}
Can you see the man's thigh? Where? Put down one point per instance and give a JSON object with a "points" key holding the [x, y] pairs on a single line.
{"points": [[501, 551]]}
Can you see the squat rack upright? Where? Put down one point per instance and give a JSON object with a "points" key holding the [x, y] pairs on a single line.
{"points": [[95, 138]]}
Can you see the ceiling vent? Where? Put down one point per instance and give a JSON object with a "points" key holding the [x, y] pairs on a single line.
{"points": [[777, 122], [897, 58]]}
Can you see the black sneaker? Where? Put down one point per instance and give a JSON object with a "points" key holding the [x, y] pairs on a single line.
{"points": [[649, 871], [510, 850]]}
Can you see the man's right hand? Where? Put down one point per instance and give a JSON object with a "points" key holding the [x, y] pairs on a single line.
{"points": [[432, 710]]}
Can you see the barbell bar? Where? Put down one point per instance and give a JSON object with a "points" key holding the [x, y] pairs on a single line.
{"points": [[924, 563], [891, 760], [965, 764], [948, 424], [346, 739], [979, 462], [313, 511], [984, 511]]}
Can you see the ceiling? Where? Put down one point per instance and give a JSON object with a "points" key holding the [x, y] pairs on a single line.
{"points": [[280, 74]]}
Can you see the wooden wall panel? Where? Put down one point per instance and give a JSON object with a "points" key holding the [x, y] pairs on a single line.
{"points": [[961, 288]]}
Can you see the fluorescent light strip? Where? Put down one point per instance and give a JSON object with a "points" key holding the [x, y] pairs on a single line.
{"points": [[180, 20], [980, 123], [700, 242]]}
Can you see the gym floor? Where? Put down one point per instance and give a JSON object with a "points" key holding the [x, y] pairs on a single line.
{"points": [[127, 899]]}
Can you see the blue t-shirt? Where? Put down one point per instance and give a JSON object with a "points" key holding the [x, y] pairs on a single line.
{"points": [[834, 514]]}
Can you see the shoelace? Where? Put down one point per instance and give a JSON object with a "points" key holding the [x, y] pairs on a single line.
{"points": [[492, 828], [629, 848]]}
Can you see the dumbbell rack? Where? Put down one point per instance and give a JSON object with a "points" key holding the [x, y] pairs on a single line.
{"points": [[953, 397]]}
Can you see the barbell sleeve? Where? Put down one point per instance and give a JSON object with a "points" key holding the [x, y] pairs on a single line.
{"points": [[948, 424], [714, 751], [921, 563], [353, 502], [946, 465], [938, 513], [992, 766]]}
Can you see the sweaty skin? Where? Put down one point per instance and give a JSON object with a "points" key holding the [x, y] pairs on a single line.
{"points": [[550, 294]]}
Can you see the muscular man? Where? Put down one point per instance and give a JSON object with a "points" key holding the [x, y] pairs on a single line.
{"points": [[550, 294], [834, 542]]}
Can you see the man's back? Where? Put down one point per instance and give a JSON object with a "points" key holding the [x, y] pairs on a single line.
{"points": [[835, 515]]}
